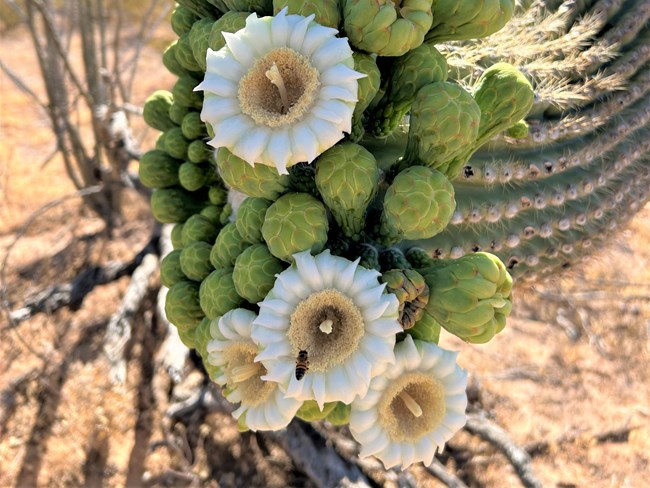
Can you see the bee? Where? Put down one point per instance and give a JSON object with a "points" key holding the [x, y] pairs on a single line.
{"points": [[302, 364]]}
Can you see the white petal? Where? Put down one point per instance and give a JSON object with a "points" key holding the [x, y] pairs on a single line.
{"points": [[363, 278], [223, 63], [337, 382], [216, 108], [408, 354], [279, 150], [258, 33], [276, 306], [296, 389], [408, 454], [371, 297], [307, 269], [326, 110], [456, 402], [271, 320], [378, 443], [331, 53], [304, 145], [252, 144], [338, 92], [281, 372], [280, 29], [346, 274], [289, 281], [327, 268], [242, 320], [391, 456], [383, 327], [228, 131], [240, 49], [340, 75], [217, 85], [319, 390], [425, 450], [275, 350], [316, 36], [362, 420], [297, 37]]}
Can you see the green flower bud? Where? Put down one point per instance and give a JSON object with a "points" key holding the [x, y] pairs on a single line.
{"points": [[326, 11], [193, 127], [218, 294], [182, 20], [158, 169], [184, 94], [176, 143], [409, 73], [470, 296], [255, 181], [518, 131], [418, 258], [187, 337], [170, 269], [193, 176], [199, 37], [227, 247], [417, 205], [177, 236], [202, 336], [170, 61], [392, 258], [426, 329], [199, 152], [444, 123], [385, 27], [255, 271], [177, 113], [195, 260], [250, 218], [184, 54], [302, 179], [226, 212], [171, 205], [160, 142], [201, 8], [156, 110], [182, 305], [368, 89], [230, 22], [309, 411], [456, 20], [295, 222], [217, 195], [199, 228], [213, 214], [412, 292], [368, 254], [347, 177]]}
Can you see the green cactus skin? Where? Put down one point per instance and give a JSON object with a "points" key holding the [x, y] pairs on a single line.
{"points": [[339, 415], [295, 222], [199, 37], [368, 254], [184, 93], [414, 70], [417, 205], [176, 143], [302, 179], [156, 110], [311, 412], [170, 269], [201, 8], [384, 27], [192, 176], [368, 89], [326, 12], [158, 169], [187, 337], [193, 127], [255, 271], [426, 329], [230, 22], [217, 195], [170, 61], [470, 296], [160, 142], [199, 152], [261, 7], [228, 245], [518, 131], [418, 257], [195, 260], [444, 123], [199, 228], [182, 19], [177, 236], [250, 218], [218, 294], [184, 54], [202, 336], [171, 205], [347, 177], [212, 213], [182, 305], [455, 20], [177, 113], [255, 181]]}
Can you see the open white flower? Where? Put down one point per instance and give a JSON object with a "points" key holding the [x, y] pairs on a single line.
{"points": [[281, 91], [263, 405], [338, 313], [414, 408]]}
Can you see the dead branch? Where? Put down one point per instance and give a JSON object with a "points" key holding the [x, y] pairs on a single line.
{"points": [[479, 425], [619, 434], [437, 470], [119, 327], [9, 396]]}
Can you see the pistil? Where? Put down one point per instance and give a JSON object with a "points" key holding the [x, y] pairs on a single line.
{"points": [[326, 326], [275, 77], [245, 372], [411, 404]]}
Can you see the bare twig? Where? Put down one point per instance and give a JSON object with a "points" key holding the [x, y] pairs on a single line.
{"points": [[479, 425], [619, 434], [437, 470], [21, 85]]}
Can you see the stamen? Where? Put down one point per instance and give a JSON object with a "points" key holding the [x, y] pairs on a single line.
{"points": [[411, 404], [242, 373], [273, 74], [326, 326]]}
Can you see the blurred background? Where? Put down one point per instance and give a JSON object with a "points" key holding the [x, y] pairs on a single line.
{"points": [[95, 390]]}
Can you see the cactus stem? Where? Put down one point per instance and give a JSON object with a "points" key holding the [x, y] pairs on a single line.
{"points": [[275, 77], [245, 372], [410, 403]]}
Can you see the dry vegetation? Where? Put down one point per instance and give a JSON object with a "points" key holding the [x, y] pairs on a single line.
{"points": [[568, 379]]}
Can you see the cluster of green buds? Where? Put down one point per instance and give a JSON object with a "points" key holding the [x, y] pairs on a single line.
{"points": [[293, 274]]}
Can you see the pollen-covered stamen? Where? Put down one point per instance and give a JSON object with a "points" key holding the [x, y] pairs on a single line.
{"points": [[273, 74], [242, 373], [329, 326], [281, 70], [410, 403]]}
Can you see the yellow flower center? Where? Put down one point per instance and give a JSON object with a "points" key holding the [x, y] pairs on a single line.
{"points": [[244, 374], [279, 89], [412, 406], [329, 326]]}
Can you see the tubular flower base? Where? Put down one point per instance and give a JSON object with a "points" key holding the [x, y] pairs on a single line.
{"points": [[263, 405], [413, 408], [281, 91], [338, 313]]}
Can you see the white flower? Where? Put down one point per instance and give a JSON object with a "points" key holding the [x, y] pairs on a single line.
{"points": [[414, 408], [338, 313], [263, 405], [281, 91]]}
